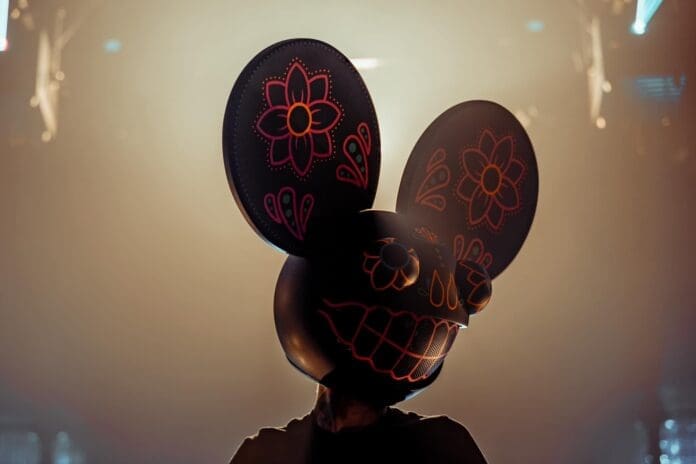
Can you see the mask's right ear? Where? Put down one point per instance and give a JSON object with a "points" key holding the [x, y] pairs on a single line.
{"points": [[300, 141], [472, 180]]}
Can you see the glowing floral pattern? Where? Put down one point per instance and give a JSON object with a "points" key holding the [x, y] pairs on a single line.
{"points": [[490, 184], [298, 119]]}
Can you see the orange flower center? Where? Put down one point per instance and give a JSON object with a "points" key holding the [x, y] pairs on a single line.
{"points": [[491, 179], [299, 119]]}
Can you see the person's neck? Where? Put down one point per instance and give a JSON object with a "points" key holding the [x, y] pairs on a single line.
{"points": [[335, 411]]}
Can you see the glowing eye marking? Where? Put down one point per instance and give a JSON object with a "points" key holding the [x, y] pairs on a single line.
{"points": [[394, 266]]}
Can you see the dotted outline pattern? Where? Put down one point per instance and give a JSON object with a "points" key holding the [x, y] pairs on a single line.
{"points": [[267, 142], [269, 233], [462, 174]]}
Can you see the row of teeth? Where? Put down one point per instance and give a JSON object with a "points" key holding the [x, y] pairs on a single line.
{"points": [[398, 343]]}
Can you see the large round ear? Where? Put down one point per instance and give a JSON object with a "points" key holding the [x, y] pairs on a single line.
{"points": [[300, 141], [472, 180]]}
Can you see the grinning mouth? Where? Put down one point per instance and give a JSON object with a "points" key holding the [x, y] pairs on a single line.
{"points": [[398, 343]]}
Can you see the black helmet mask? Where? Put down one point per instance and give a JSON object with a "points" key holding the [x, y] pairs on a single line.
{"points": [[371, 301]]}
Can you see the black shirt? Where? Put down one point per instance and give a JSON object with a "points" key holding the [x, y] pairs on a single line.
{"points": [[398, 437]]}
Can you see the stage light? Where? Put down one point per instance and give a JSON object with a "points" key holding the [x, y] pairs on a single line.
{"points": [[595, 71], [365, 63], [645, 10], [46, 89], [4, 15], [112, 46], [667, 89], [678, 441], [535, 25], [638, 27]]}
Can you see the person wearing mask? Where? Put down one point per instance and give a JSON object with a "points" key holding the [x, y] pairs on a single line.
{"points": [[369, 303]]}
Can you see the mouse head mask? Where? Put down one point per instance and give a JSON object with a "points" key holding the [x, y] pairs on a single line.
{"points": [[372, 300]]}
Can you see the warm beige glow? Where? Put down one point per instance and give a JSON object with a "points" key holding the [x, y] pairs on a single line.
{"points": [[134, 296]]}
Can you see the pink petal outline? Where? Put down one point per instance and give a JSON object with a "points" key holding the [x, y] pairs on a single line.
{"points": [[471, 182], [269, 100], [269, 114], [487, 137], [325, 94], [304, 93], [494, 204], [317, 125], [302, 172], [509, 185], [510, 175], [330, 144], [474, 159], [476, 197], [502, 153], [280, 162]]}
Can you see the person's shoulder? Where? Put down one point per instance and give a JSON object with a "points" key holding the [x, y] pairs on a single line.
{"points": [[294, 427], [410, 418], [445, 433], [447, 425], [270, 441]]}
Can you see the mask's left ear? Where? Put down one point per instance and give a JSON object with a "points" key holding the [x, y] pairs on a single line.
{"points": [[472, 180], [300, 142]]}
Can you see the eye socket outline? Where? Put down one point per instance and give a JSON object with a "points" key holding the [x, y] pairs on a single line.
{"points": [[478, 283], [401, 277]]}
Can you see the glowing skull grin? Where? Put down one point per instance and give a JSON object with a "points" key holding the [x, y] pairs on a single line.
{"points": [[401, 344]]}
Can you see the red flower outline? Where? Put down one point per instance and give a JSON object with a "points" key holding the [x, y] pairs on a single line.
{"points": [[490, 184], [298, 119]]}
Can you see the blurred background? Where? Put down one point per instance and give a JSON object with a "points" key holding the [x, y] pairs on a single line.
{"points": [[136, 304]]}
